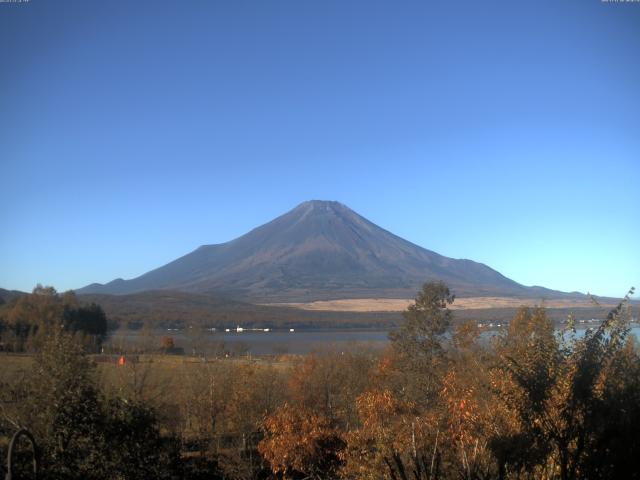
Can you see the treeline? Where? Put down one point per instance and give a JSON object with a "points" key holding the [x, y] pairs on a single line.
{"points": [[440, 403], [169, 309], [26, 320], [179, 309]]}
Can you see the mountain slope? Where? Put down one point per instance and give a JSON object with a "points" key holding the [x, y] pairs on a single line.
{"points": [[8, 295], [318, 250]]}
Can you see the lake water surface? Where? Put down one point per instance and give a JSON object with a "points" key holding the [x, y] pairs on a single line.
{"points": [[277, 341]]}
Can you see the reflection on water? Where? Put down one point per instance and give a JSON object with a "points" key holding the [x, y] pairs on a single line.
{"points": [[275, 341]]}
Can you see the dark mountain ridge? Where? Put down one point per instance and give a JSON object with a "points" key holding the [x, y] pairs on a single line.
{"points": [[8, 295], [319, 250]]}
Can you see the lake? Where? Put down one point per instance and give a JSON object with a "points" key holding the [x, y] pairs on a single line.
{"points": [[275, 341]]}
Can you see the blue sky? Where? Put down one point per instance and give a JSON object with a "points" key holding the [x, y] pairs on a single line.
{"points": [[504, 132]]}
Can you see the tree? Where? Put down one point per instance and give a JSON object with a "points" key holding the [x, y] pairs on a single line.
{"points": [[82, 435], [167, 343], [527, 365], [465, 440], [135, 449], [573, 401], [394, 441], [29, 319], [418, 343], [300, 443], [27, 315], [62, 409], [90, 321]]}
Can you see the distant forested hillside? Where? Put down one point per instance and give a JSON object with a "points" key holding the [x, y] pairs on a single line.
{"points": [[164, 308]]}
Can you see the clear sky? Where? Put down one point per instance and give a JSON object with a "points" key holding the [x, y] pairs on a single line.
{"points": [[507, 132]]}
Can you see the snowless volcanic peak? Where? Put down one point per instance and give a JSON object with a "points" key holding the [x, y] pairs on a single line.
{"points": [[318, 250]]}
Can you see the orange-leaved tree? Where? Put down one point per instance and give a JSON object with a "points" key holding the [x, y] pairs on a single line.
{"points": [[394, 440], [573, 399], [299, 443]]}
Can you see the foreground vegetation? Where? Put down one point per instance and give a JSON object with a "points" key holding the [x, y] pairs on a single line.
{"points": [[439, 403]]}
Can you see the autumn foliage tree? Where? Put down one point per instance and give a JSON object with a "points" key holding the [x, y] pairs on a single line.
{"points": [[26, 320], [167, 343], [394, 439], [328, 382], [565, 396], [523, 379], [299, 443], [445, 400]]}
